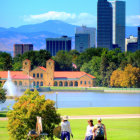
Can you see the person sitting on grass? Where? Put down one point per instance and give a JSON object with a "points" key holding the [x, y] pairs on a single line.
{"points": [[89, 133], [99, 131], [65, 129]]}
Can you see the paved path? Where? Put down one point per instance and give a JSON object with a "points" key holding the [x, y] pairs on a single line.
{"points": [[123, 116]]}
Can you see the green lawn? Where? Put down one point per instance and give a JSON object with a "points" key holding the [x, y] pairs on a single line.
{"points": [[94, 111], [121, 129], [99, 111]]}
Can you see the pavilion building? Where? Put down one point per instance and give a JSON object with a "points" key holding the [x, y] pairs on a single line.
{"points": [[41, 76]]}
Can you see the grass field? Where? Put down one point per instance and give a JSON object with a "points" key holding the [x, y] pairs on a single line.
{"points": [[94, 111], [122, 129], [99, 111]]}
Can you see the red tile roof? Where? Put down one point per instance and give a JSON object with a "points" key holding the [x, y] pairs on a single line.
{"points": [[70, 74], [42, 68], [14, 75], [57, 74]]}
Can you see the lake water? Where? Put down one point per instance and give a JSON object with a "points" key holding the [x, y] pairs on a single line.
{"points": [[89, 99]]}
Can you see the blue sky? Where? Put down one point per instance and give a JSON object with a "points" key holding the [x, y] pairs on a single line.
{"points": [[14, 13]]}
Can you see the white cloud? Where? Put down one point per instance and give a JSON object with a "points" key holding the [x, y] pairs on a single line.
{"points": [[75, 19], [133, 20], [72, 18]]}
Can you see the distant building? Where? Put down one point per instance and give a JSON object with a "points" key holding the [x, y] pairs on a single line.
{"points": [[53, 45], [139, 38], [132, 47], [119, 23], [131, 44], [90, 31], [104, 24], [47, 76], [22, 48], [82, 42]]}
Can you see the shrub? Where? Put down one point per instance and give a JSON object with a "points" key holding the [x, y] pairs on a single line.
{"points": [[2, 94], [22, 118]]}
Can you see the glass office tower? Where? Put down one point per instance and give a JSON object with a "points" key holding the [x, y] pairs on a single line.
{"points": [[53, 45], [104, 24], [138, 38], [119, 23], [88, 30], [82, 42]]}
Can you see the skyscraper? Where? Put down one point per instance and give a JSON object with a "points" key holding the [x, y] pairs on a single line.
{"points": [[53, 45], [82, 42], [22, 48], [131, 44], [119, 23], [104, 24], [139, 38], [90, 31]]}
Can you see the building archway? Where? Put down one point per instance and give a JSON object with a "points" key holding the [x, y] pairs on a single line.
{"points": [[76, 84], [37, 84], [55, 83], [15, 82], [71, 84], [66, 84], [60, 83], [41, 83], [34, 83], [20, 83]]}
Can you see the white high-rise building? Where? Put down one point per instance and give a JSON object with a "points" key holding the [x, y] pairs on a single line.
{"points": [[131, 39], [90, 31], [119, 23]]}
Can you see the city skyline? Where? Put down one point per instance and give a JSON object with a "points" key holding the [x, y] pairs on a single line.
{"points": [[36, 12]]}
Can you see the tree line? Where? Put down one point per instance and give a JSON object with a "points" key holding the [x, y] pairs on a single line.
{"points": [[99, 62]]}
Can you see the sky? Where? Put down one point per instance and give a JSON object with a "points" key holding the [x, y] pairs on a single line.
{"points": [[14, 13]]}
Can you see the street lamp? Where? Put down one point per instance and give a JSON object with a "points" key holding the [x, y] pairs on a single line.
{"points": [[56, 100], [28, 76]]}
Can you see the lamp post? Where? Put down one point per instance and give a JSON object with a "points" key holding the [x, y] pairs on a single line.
{"points": [[28, 76], [56, 100]]}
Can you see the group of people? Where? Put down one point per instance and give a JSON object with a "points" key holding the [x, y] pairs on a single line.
{"points": [[93, 132]]}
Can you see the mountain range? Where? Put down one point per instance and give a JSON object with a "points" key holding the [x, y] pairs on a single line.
{"points": [[37, 33]]}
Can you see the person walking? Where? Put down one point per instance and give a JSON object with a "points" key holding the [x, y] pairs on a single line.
{"points": [[99, 131], [89, 131], [65, 129]]}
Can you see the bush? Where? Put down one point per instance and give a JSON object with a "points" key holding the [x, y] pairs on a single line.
{"points": [[22, 118], [2, 95]]}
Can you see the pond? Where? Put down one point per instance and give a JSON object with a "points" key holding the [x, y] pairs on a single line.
{"points": [[88, 99]]}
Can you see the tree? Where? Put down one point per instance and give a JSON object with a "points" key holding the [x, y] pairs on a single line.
{"points": [[2, 94], [22, 118], [103, 69], [116, 78], [5, 61], [93, 67], [134, 59], [87, 55], [38, 58], [130, 77], [63, 61]]}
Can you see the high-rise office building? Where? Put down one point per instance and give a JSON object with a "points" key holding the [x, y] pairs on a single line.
{"points": [[22, 48], [53, 45], [119, 23], [131, 44], [82, 42], [88, 30], [104, 24], [139, 38]]}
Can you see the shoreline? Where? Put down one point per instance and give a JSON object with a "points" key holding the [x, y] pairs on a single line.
{"points": [[89, 89]]}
